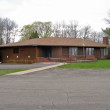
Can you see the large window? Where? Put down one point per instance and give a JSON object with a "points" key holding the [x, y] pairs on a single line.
{"points": [[89, 51], [73, 51], [15, 50], [104, 51]]}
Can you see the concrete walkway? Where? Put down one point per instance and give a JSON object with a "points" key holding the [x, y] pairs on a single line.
{"points": [[36, 69]]}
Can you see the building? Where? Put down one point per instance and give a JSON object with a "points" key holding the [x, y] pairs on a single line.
{"points": [[52, 49]]}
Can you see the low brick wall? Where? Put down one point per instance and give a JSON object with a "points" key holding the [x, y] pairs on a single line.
{"points": [[20, 61], [104, 57], [42, 59], [91, 58], [69, 59]]}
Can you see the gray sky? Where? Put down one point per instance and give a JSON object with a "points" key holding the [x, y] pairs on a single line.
{"points": [[86, 12]]}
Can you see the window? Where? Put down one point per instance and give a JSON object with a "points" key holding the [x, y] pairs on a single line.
{"points": [[16, 50], [73, 51], [89, 51], [104, 51]]}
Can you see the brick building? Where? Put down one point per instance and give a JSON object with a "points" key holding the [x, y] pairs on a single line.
{"points": [[53, 49]]}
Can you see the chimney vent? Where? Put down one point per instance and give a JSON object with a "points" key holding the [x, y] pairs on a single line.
{"points": [[105, 40]]}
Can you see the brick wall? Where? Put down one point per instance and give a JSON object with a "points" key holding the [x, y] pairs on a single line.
{"points": [[65, 52], [97, 53], [25, 55], [38, 51], [80, 51], [105, 40], [56, 52], [30, 54]]}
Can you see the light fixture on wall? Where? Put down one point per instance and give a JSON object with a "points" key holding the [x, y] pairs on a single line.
{"points": [[7, 56], [16, 56], [29, 56]]}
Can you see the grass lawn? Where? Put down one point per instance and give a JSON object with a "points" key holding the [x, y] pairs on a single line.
{"points": [[7, 71], [100, 64]]}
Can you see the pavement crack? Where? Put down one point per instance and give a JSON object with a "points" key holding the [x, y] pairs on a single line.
{"points": [[67, 97]]}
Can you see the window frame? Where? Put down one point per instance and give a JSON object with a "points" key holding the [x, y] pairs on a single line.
{"points": [[73, 51], [89, 51], [104, 51]]}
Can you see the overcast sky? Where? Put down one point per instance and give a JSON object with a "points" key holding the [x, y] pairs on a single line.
{"points": [[86, 12]]}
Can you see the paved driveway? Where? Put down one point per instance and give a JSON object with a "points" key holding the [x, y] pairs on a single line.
{"points": [[56, 89], [26, 66]]}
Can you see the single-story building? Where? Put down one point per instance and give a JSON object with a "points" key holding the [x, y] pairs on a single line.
{"points": [[52, 49]]}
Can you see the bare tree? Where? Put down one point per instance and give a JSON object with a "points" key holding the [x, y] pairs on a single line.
{"points": [[14, 34], [96, 36], [56, 30], [7, 30], [100, 36], [85, 32], [93, 36], [66, 30], [1, 30], [73, 29], [9, 27]]}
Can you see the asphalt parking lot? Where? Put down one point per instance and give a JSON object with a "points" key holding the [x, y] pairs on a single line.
{"points": [[57, 89]]}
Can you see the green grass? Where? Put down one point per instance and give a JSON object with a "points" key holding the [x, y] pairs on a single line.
{"points": [[7, 71], [100, 64]]}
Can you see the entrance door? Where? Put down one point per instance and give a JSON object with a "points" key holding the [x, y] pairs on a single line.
{"points": [[46, 52]]}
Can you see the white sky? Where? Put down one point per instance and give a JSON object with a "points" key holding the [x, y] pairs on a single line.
{"points": [[86, 12]]}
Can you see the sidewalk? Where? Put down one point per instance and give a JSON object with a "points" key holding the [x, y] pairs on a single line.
{"points": [[36, 69]]}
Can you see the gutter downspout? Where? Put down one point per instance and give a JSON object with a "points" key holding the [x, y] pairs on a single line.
{"points": [[83, 47]]}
